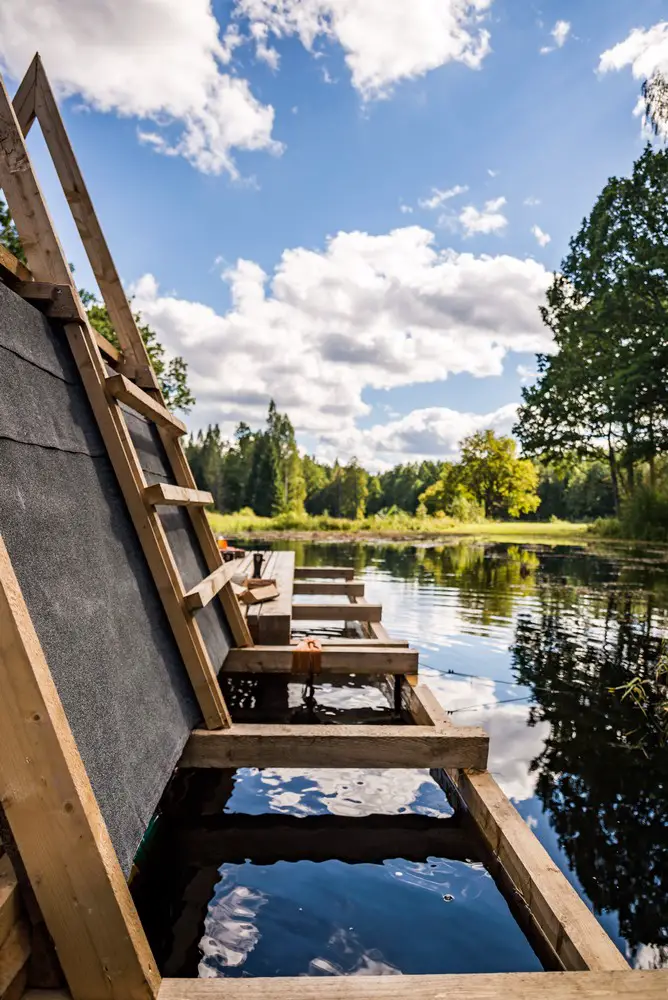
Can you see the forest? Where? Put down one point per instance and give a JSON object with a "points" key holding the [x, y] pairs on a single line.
{"points": [[591, 439]]}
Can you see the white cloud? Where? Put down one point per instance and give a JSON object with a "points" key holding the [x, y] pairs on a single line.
{"points": [[526, 374], [493, 173], [646, 52], [155, 60], [541, 238], [531, 200], [405, 209], [484, 221], [560, 33], [439, 197], [381, 43], [366, 312]]}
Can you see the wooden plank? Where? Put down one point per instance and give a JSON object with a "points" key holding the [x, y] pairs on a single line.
{"points": [[422, 704], [328, 588], [324, 573], [10, 903], [11, 267], [337, 612], [271, 623], [372, 628], [204, 592], [74, 871], [569, 926], [56, 301], [138, 365], [24, 98], [334, 659], [164, 494], [628, 985], [14, 953], [49, 263], [336, 746], [365, 643], [136, 362], [106, 347], [121, 388]]}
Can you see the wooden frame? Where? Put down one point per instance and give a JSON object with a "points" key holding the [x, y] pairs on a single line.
{"points": [[74, 871]]}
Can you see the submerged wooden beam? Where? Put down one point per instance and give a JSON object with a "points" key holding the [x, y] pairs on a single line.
{"points": [[333, 659], [57, 825], [337, 612], [570, 928], [627, 985], [336, 746], [328, 588], [324, 573]]}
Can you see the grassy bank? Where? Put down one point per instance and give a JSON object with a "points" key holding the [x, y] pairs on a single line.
{"points": [[397, 527]]}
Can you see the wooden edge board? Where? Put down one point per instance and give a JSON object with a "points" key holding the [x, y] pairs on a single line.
{"points": [[621, 985], [121, 388], [422, 704], [324, 572], [337, 612], [328, 588], [11, 267], [364, 642], [203, 593], [106, 347], [164, 494], [333, 659], [336, 746], [571, 929], [86, 905], [10, 903]]}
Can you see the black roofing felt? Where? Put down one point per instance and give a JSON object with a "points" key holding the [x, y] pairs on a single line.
{"points": [[84, 577]]}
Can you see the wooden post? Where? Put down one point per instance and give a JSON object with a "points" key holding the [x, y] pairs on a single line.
{"points": [[57, 824]]}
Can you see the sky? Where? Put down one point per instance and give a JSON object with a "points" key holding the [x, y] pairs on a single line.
{"points": [[353, 207]]}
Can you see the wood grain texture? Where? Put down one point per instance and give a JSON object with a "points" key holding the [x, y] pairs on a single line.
{"points": [[12, 267], [271, 623], [86, 905], [48, 262], [10, 903], [336, 746], [345, 612], [571, 929], [324, 573], [121, 388], [166, 495], [328, 588], [628, 985], [334, 660], [204, 592], [14, 954], [422, 704]]}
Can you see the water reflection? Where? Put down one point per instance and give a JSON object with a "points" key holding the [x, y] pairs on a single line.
{"points": [[530, 642]]}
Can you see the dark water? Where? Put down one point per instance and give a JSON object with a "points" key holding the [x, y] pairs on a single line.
{"points": [[535, 645]]}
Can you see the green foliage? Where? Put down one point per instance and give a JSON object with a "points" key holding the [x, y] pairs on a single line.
{"points": [[489, 479], [8, 234]]}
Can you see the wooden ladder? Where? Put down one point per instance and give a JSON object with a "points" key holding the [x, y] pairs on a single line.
{"points": [[130, 383]]}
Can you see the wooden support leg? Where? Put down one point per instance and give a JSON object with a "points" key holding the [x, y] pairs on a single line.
{"points": [[57, 825]]}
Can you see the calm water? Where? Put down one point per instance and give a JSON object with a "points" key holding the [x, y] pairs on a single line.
{"points": [[527, 641]]}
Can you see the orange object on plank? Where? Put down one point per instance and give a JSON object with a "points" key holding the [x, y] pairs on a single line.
{"points": [[307, 656]]}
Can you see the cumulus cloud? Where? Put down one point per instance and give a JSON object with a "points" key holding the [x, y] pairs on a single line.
{"points": [[487, 220], [560, 33], [382, 44], [366, 312], [646, 52], [541, 238], [155, 60], [438, 198]]}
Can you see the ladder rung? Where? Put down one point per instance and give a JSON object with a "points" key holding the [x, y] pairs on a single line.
{"points": [[122, 389], [205, 591], [175, 496]]}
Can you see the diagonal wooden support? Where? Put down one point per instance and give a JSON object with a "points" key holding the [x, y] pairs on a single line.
{"points": [[83, 896]]}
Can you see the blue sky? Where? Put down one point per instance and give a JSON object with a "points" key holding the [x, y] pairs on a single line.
{"points": [[334, 203]]}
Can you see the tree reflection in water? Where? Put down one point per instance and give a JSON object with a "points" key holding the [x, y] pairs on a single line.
{"points": [[603, 773]]}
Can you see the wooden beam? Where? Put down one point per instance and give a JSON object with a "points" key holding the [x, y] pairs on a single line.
{"points": [[204, 592], [83, 896], [364, 643], [90, 231], [336, 746], [107, 347], [572, 930], [24, 98], [121, 388], [329, 588], [11, 268], [324, 573], [164, 494], [337, 612], [422, 704], [14, 954], [48, 262], [56, 301], [628, 985], [10, 903], [334, 660]]}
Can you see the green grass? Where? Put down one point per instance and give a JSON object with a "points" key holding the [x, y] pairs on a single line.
{"points": [[393, 526]]}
